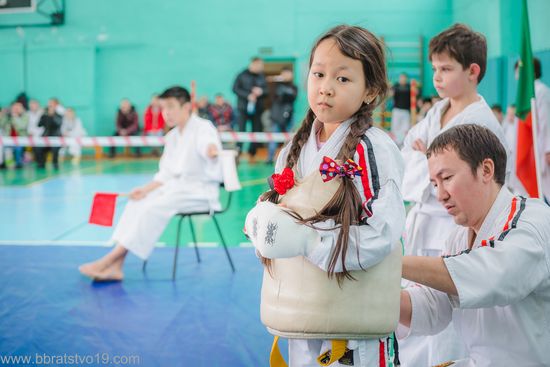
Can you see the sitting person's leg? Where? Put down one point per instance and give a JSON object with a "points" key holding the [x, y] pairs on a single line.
{"points": [[109, 267], [137, 231]]}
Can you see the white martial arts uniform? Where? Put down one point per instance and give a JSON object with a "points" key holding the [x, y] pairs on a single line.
{"points": [[428, 222], [542, 95], [73, 129], [400, 124], [372, 241], [502, 311], [190, 181]]}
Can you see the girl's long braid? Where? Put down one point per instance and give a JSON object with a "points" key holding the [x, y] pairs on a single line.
{"points": [[347, 203], [298, 141]]}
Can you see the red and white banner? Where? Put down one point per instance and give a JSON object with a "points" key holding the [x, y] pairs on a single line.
{"points": [[133, 141]]}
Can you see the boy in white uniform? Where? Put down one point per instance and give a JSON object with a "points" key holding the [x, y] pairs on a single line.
{"points": [[188, 180], [458, 56], [494, 281]]}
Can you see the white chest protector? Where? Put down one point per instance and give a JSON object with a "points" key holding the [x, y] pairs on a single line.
{"points": [[300, 301]]}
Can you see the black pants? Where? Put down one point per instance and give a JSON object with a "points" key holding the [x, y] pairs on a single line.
{"points": [[42, 153], [112, 150], [242, 119]]}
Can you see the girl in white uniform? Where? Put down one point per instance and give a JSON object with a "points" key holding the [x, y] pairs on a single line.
{"points": [[188, 180], [347, 79]]}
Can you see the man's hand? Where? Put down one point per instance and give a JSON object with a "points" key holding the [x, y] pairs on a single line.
{"points": [[257, 91], [212, 151], [548, 159], [138, 193], [419, 145], [252, 97]]}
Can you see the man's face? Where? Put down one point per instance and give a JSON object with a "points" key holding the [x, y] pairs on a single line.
{"points": [[17, 109], [257, 66], [174, 112], [34, 106], [125, 106], [458, 190]]}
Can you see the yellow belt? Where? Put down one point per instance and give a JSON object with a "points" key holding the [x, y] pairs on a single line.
{"points": [[337, 351]]}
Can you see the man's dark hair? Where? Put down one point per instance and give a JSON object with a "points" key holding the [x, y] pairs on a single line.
{"points": [[464, 45], [536, 66], [179, 93], [497, 107], [255, 58], [473, 144]]}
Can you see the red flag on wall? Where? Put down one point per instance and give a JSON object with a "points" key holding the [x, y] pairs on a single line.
{"points": [[103, 209]]}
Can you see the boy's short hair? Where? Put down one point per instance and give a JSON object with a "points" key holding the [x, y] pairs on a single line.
{"points": [[473, 143], [462, 44], [496, 107], [177, 92]]}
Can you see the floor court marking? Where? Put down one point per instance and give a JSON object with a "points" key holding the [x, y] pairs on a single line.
{"points": [[77, 243]]}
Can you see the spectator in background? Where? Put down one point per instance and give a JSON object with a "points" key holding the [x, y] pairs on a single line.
{"points": [[127, 124], [59, 109], [35, 113], [282, 108], [202, 107], [401, 113], [4, 131], [51, 122], [72, 127], [23, 99], [153, 121], [19, 121], [221, 113], [497, 111], [424, 105], [250, 88]]}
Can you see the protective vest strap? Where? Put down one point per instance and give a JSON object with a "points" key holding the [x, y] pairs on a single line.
{"points": [[337, 351]]}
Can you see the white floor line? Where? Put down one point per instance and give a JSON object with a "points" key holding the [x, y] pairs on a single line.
{"points": [[99, 243]]}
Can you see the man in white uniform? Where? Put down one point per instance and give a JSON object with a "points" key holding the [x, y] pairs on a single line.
{"points": [[188, 180], [493, 283], [458, 57]]}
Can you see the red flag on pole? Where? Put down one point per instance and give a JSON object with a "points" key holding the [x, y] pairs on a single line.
{"points": [[103, 209], [526, 157]]}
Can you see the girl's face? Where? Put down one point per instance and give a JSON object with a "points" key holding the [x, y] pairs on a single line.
{"points": [[336, 84]]}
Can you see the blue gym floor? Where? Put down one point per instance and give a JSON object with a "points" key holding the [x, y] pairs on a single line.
{"points": [[48, 311]]}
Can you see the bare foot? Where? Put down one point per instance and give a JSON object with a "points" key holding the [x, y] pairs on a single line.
{"points": [[91, 269], [109, 275]]}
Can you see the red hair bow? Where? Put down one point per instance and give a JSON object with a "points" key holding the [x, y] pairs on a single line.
{"points": [[330, 169], [283, 182]]}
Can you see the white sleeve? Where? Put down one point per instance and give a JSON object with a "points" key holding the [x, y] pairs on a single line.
{"points": [[503, 274], [543, 114], [431, 312], [416, 182], [373, 240], [163, 174], [207, 135]]}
